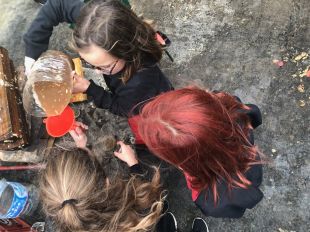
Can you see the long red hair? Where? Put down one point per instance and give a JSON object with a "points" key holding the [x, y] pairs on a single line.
{"points": [[203, 133]]}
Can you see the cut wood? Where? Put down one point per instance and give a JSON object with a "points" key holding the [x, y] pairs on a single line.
{"points": [[13, 126]]}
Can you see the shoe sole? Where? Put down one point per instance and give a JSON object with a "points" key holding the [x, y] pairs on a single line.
{"points": [[199, 218], [175, 221]]}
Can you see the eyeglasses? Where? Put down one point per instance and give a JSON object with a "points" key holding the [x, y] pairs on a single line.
{"points": [[107, 71]]}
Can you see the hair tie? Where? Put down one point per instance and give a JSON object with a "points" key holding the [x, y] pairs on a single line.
{"points": [[69, 201]]}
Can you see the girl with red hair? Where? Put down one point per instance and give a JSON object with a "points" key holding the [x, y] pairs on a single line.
{"points": [[209, 136]]}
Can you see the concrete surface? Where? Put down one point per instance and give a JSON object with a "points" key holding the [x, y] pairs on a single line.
{"points": [[228, 45]]}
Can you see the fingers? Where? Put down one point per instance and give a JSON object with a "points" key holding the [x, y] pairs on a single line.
{"points": [[76, 132], [80, 84], [82, 125], [118, 154], [122, 146], [121, 143], [76, 78], [79, 137], [73, 134], [79, 131], [119, 150], [126, 154], [72, 74]]}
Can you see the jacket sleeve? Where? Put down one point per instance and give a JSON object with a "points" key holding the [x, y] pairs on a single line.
{"points": [[253, 112], [136, 170], [126, 97], [232, 204], [50, 15], [255, 115], [102, 98]]}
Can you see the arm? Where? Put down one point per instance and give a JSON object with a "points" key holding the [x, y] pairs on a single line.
{"points": [[255, 115], [128, 155], [79, 136], [101, 97], [253, 112], [142, 86], [136, 169], [51, 14]]}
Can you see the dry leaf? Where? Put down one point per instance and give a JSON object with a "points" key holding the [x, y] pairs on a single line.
{"points": [[279, 63], [303, 56], [285, 59], [304, 72], [302, 103], [281, 230], [301, 88]]}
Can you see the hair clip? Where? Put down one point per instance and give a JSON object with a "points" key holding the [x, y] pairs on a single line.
{"points": [[164, 41], [69, 201]]}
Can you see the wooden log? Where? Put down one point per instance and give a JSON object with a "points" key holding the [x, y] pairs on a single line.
{"points": [[14, 225], [13, 126]]}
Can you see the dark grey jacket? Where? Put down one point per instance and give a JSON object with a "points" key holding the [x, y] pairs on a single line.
{"points": [[50, 15], [233, 204]]}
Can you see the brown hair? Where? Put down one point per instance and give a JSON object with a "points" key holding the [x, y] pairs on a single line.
{"points": [[112, 26], [99, 204]]}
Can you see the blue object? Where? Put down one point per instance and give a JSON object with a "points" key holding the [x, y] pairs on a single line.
{"points": [[19, 201]]}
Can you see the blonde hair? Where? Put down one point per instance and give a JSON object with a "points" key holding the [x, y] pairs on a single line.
{"points": [[100, 205]]}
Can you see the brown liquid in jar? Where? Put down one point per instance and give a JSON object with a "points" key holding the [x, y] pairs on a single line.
{"points": [[52, 96]]}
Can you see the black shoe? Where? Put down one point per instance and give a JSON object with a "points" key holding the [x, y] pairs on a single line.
{"points": [[42, 2], [167, 223], [199, 225]]}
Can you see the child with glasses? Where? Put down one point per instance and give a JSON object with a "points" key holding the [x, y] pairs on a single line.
{"points": [[113, 40]]}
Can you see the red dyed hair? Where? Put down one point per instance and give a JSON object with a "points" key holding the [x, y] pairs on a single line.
{"points": [[203, 133]]}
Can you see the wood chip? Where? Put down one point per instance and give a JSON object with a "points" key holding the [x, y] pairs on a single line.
{"points": [[301, 88], [301, 56]]}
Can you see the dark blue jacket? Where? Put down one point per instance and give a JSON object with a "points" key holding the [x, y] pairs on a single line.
{"points": [[233, 204], [121, 98]]}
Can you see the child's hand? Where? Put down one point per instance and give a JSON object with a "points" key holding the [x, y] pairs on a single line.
{"points": [[82, 125], [80, 85], [126, 154], [78, 135]]}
